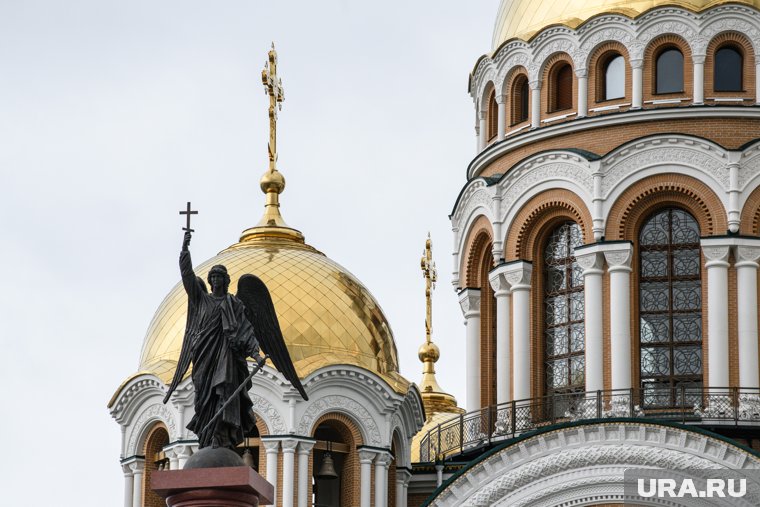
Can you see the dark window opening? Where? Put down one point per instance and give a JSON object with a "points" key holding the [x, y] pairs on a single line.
{"points": [[669, 74]]}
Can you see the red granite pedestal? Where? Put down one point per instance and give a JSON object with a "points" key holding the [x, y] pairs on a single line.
{"points": [[213, 487]]}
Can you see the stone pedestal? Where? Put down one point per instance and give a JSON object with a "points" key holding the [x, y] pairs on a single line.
{"points": [[239, 486]]}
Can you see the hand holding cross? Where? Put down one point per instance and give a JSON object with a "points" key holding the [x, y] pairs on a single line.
{"points": [[187, 229]]}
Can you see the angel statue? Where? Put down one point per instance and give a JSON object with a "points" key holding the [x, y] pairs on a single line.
{"points": [[222, 331]]}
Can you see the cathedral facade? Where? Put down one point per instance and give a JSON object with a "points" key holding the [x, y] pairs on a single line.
{"points": [[607, 245], [607, 248]]}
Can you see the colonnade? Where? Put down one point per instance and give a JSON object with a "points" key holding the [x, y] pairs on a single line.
{"points": [[511, 283]]}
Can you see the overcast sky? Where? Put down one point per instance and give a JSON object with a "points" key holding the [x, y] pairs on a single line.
{"points": [[114, 114]]}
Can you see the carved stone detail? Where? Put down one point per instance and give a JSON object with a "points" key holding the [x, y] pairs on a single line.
{"points": [[157, 411], [469, 301], [619, 257], [519, 273], [716, 253], [341, 404], [667, 152], [589, 260], [748, 253], [271, 416]]}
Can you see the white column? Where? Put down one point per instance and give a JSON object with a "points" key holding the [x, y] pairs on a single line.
{"points": [[482, 130], [382, 461], [365, 481], [699, 78], [716, 255], [518, 275], [438, 475], [497, 278], [138, 468], [591, 260], [304, 480], [582, 75], [178, 454], [403, 476], [469, 300], [637, 83], [618, 257], [535, 104], [288, 471], [128, 484], [272, 448], [747, 256], [501, 129]]}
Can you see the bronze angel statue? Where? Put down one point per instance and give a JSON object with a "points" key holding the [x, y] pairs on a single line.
{"points": [[222, 331]]}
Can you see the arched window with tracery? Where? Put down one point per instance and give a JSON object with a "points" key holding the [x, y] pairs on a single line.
{"points": [[727, 71], [670, 308], [564, 333], [669, 73]]}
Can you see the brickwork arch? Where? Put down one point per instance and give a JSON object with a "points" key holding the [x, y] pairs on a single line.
{"points": [[596, 73], [744, 46], [750, 215], [158, 437], [476, 250], [663, 190], [653, 50], [523, 235], [351, 436], [551, 89]]}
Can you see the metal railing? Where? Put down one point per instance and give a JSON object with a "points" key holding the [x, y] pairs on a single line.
{"points": [[687, 405]]}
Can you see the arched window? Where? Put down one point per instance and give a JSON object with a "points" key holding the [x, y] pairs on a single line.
{"points": [[493, 116], [614, 77], [564, 334], [670, 308], [562, 88], [520, 99], [669, 73], [727, 72]]}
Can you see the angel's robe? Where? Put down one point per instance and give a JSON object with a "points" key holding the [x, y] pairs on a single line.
{"points": [[220, 339]]}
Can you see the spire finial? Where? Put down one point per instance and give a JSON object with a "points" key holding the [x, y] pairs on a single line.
{"points": [[433, 397], [272, 182]]}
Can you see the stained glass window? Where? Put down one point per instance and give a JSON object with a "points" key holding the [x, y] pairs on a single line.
{"points": [[670, 308], [564, 312]]}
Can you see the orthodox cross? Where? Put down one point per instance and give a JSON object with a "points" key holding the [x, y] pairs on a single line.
{"points": [[428, 271], [188, 213], [273, 88]]}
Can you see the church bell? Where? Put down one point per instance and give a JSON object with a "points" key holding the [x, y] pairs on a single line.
{"points": [[327, 470]]}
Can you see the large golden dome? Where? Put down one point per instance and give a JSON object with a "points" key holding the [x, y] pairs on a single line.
{"points": [[327, 316], [524, 18]]}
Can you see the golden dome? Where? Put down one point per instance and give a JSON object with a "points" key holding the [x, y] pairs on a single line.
{"points": [[430, 424], [524, 18], [327, 316]]}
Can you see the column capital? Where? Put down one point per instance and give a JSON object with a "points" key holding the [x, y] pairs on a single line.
{"points": [[581, 73], [590, 258], [698, 59], [305, 446], [366, 456], [180, 449], [535, 85], [518, 274], [637, 63], [383, 458], [497, 277], [270, 444], [716, 251], [469, 301], [482, 115], [618, 255], [133, 464], [500, 98]]}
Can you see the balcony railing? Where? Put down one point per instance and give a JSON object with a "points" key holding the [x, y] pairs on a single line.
{"points": [[481, 428]]}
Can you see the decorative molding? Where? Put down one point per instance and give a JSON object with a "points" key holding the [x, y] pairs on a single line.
{"points": [[590, 260], [619, 256], [155, 412], [657, 151], [344, 405], [271, 416], [594, 455], [498, 280], [518, 274]]}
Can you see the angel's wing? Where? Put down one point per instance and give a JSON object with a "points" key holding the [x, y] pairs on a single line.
{"points": [[185, 355], [255, 295]]}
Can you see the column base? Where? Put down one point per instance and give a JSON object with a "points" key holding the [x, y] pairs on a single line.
{"points": [[226, 486]]}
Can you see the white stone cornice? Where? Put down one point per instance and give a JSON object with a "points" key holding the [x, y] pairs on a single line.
{"points": [[518, 274], [469, 301], [497, 150], [497, 277]]}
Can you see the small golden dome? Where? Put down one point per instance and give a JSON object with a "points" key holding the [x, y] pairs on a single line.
{"points": [[327, 316], [525, 18]]}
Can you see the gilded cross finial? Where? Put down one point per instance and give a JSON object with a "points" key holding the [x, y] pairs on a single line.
{"points": [[428, 271], [273, 87]]}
